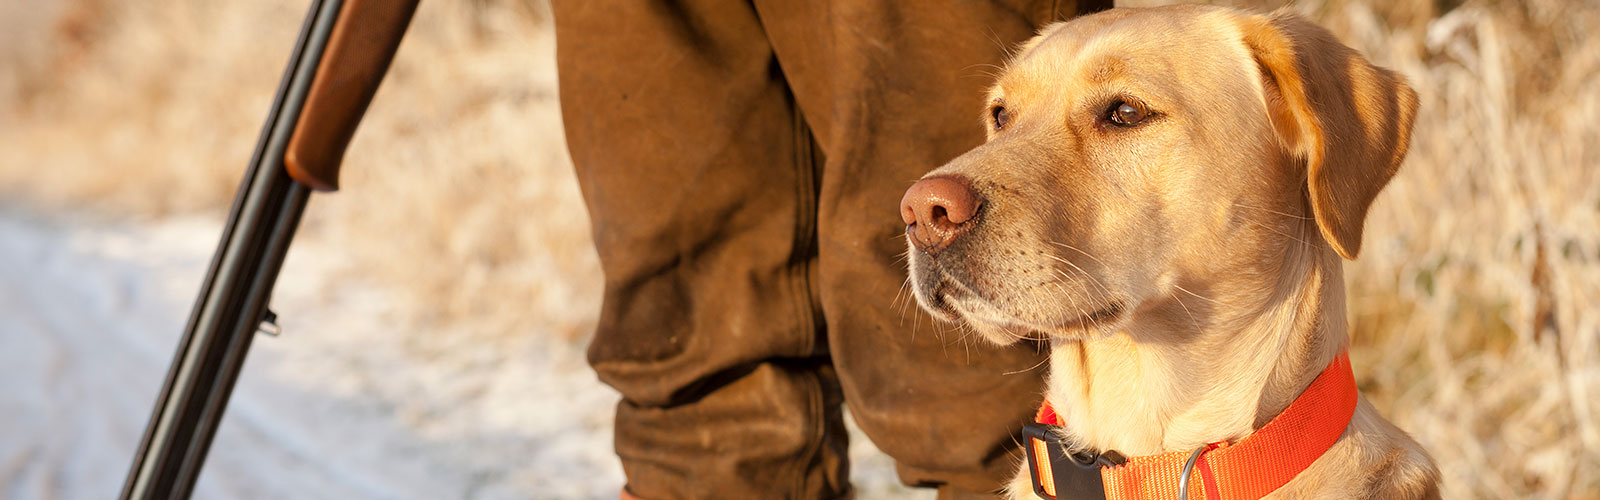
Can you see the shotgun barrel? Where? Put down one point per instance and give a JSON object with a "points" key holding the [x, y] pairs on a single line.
{"points": [[344, 49]]}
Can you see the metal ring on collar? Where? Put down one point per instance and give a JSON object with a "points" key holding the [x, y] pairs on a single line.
{"points": [[1188, 468]]}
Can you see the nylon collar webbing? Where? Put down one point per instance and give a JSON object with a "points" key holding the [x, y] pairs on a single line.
{"points": [[1247, 470]]}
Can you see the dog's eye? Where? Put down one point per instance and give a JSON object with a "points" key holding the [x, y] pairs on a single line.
{"points": [[1125, 114], [1000, 117]]}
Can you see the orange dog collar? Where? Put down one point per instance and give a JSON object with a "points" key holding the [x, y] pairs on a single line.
{"points": [[1250, 469]]}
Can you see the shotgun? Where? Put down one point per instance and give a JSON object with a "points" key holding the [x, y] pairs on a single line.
{"points": [[343, 51]]}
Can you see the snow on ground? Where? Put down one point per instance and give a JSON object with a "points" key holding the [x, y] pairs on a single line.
{"points": [[348, 403]]}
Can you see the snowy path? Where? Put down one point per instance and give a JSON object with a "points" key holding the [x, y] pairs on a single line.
{"points": [[91, 314], [345, 404]]}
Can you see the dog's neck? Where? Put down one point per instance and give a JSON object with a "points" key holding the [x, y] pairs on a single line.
{"points": [[1204, 365]]}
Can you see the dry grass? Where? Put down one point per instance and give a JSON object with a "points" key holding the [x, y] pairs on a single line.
{"points": [[1471, 302]]}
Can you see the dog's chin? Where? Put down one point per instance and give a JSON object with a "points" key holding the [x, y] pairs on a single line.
{"points": [[1004, 334], [1005, 330], [1002, 328], [992, 324], [950, 300], [953, 303], [1100, 323]]}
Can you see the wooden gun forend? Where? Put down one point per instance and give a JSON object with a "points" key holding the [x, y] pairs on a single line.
{"points": [[364, 40]]}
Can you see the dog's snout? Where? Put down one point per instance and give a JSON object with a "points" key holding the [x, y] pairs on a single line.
{"points": [[937, 210]]}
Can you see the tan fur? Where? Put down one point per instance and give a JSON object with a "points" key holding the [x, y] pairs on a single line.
{"points": [[1186, 271]]}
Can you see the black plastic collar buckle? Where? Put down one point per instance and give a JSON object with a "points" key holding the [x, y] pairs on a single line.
{"points": [[1059, 475]]}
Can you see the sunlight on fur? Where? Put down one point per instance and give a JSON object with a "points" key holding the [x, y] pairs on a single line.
{"points": [[1470, 305]]}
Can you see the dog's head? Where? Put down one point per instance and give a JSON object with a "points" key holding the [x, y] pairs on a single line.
{"points": [[1136, 150]]}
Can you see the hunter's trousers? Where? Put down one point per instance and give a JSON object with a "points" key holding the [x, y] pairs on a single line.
{"points": [[743, 163]]}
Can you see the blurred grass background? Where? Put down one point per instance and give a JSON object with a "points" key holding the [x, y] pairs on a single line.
{"points": [[1471, 303]]}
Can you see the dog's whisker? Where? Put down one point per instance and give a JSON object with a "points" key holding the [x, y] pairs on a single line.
{"points": [[916, 321], [1085, 254], [1086, 274], [1271, 211], [1105, 292], [1192, 321], [1005, 48], [1094, 323], [1068, 294], [1076, 303], [1031, 368], [1281, 233], [905, 286], [966, 347], [1196, 295]]}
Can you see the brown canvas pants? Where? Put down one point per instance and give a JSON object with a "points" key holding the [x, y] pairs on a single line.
{"points": [[743, 164]]}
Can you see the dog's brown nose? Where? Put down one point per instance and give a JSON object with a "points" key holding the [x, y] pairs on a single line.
{"points": [[938, 209]]}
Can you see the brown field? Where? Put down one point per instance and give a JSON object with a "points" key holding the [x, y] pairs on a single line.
{"points": [[1471, 302]]}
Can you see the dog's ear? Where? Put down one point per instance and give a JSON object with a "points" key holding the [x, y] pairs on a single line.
{"points": [[1349, 120]]}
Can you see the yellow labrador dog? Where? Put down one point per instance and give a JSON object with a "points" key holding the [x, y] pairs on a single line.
{"points": [[1165, 197]]}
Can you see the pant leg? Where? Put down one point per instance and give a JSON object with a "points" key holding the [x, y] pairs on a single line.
{"points": [[698, 174], [894, 89]]}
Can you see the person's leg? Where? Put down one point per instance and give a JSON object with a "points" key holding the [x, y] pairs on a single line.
{"points": [[894, 89], [700, 179]]}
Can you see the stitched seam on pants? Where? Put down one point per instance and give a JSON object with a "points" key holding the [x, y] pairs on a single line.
{"points": [[814, 448], [800, 284], [805, 231]]}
